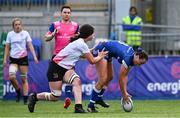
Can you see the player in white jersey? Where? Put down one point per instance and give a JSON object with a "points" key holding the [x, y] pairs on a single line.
{"points": [[16, 43], [62, 69]]}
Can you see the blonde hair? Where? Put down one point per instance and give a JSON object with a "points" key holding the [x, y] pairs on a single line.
{"points": [[14, 20]]}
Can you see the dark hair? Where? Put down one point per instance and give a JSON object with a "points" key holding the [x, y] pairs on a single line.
{"points": [[131, 8], [142, 54], [85, 31], [65, 6]]}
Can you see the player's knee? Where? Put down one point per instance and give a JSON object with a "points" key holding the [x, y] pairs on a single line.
{"points": [[76, 82], [12, 77], [23, 75], [55, 95], [12, 71], [74, 79]]}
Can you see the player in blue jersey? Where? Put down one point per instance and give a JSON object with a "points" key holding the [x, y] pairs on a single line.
{"points": [[127, 57]]}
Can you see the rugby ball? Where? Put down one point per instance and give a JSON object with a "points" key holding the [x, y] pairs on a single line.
{"points": [[127, 107]]}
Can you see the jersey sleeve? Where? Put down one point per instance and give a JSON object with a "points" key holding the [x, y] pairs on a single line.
{"points": [[126, 62], [84, 49], [28, 38], [51, 28]]}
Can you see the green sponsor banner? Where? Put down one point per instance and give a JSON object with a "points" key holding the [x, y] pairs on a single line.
{"points": [[2, 44]]}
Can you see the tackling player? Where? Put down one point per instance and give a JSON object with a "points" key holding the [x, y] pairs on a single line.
{"points": [[62, 66], [62, 31]]}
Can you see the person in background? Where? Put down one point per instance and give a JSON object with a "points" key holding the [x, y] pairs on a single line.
{"points": [[131, 27], [16, 43], [62, 31], [127, 57], [62, 69]]}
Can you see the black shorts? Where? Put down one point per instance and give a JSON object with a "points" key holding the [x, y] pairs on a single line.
{"points": [[55, 72], [53, 57], [19, 61]]}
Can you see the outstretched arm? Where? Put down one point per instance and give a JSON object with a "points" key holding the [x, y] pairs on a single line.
{"points": [[123, 77], [93, 60]]}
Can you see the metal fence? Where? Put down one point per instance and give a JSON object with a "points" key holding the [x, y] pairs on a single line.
{"points": [[157, 39]]}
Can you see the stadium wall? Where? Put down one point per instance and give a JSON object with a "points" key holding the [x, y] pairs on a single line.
{"points": [[159, 78]]}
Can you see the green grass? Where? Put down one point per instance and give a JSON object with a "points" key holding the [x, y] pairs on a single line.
{"points": [[142, 109]]}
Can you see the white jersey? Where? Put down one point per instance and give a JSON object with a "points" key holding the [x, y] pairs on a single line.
{"points": [[68, 56], [17, 43]]}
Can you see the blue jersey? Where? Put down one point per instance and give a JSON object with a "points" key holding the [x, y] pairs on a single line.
{"points": [[119, 50]]}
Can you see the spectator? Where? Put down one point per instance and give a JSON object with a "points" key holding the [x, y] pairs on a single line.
{"points": [[131, 28]]}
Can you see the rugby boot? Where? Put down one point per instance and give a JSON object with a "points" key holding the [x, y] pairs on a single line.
{"points": [[25, 100], [32, 101], [18, 95], [96, 98], [102, 103], [67, 102], [91, 108], [79, 108]]}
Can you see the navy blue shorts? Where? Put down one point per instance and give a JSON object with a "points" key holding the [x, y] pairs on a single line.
{"points": [[99, 48]]}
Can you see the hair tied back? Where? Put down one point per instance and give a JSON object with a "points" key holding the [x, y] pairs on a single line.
{"points": [[139, 50]]}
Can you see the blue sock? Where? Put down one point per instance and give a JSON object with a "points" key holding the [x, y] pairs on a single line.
{"points": [[102, 91], [100, 95], [68, 91], [94, 97]]}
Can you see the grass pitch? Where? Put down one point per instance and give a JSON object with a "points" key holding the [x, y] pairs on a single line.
{"points": [[142, 109]]}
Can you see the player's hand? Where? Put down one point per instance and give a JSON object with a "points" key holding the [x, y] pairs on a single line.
{"points": [[126, 98], [36, 60], [129, 95], [4, 62], [55, 32], [102, 54]]}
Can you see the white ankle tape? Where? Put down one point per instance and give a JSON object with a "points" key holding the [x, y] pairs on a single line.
{"points": [[48, 96]]}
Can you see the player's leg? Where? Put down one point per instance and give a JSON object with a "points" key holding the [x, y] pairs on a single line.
{"points": [[55, 74], [98, 90], [103, 81], [72, 78], [109, 73], [109, 78], [54, 95], [12, 77], [25, 86]]}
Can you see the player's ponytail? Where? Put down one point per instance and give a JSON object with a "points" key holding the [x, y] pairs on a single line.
{"points": [[142, 54], [85, 31], [77, 36]]}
